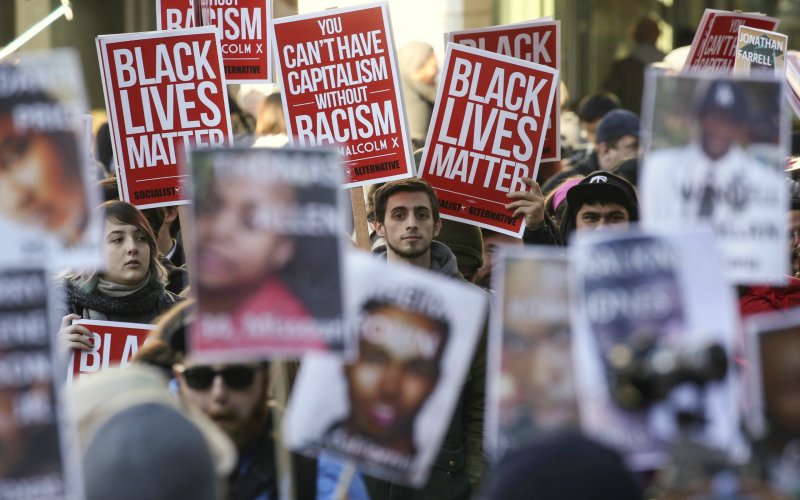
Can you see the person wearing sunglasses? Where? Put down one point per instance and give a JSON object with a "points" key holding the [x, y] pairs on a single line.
{"points": [[235, 397]]}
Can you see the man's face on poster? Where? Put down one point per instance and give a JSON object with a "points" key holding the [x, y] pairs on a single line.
{"points": [[780, 361], [537, 360], [719, 130], [37, 185], [396, 370]]}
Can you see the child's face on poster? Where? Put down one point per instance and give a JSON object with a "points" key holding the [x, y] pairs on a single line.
{"points": [[234, 252], [396, 371], [37, 185]]}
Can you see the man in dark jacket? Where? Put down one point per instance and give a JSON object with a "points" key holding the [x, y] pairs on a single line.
{"points": [[617, 141], [599, 201], [407, 217]]}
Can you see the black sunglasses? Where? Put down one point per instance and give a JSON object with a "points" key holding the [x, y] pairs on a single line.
{"points": [[236, 377]]}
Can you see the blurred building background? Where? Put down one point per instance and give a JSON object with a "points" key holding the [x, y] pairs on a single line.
{"points": [[593, 32]]}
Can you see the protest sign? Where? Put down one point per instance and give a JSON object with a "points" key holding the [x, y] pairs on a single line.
{"points": [[33, 463], [339, 80], [793, 80], [47, 186], [534, 41], [530, 386], [268, 233], [387, 410], [759, 50], [174, 14], [164, 90], [715, 156], [487, 132], [772, 375], [113, 343], [643, 298], [714, 45], [242, 30]]}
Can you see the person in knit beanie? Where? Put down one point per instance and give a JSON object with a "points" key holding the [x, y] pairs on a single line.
{"points": [[466, 242]]}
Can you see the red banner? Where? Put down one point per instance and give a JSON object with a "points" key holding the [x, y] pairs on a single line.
{"points": [[114, 344], [487, 131], [714, 44], [537, 42], [174, 14], [339, 80], [163, 89]]}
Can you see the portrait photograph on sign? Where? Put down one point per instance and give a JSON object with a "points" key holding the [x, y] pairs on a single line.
{"points": [[340, 84], [164, 90], [531, 388], [46, 181], [34, 462], [268, 233], [715, 156], [486, 134], [387, 409], [653, 340]]}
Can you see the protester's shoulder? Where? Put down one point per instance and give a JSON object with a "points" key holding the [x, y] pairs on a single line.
{"points": [[169, 299]]}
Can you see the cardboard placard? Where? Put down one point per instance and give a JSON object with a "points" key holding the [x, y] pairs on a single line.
{"points": [[387, 409], [644, 298], [760, 50], [715, 157], [34, 458], [536, 41], [268, 242], [340, 85], [174, 14], [773, 346], [164, 90], [530, 385], [487, 131], [114, 344], [714, 45], [47, 181], [242, 28]]}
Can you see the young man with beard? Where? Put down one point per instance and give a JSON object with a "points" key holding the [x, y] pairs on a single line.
{"points": [[234, 396], [407, 217]]}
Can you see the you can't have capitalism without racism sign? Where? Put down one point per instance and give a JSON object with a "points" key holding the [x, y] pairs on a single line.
{"points": [[338, 75]]}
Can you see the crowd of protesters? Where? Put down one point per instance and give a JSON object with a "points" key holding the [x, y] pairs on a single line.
{"points": [[170, 427]]}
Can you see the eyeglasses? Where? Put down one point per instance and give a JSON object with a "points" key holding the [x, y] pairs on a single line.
{"points": [[235, 377]]}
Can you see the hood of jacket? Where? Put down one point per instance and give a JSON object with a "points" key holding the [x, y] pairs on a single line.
{"points": [[442, 259]]}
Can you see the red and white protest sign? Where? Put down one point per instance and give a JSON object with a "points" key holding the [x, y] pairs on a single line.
{"points": [[487, 132], [174, 14], [164, 90], [113, 343], [535, 41], [714, 44], [339, 79]]}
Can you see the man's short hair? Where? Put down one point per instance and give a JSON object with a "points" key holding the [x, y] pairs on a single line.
{"points": [[410, 185], [595, 106]]}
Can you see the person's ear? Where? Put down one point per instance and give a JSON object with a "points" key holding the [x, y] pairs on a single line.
{"points": [[379, 228], [437, 227], [170, 214]]}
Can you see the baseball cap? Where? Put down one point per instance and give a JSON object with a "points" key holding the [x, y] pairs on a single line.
{"points": [[725, 96], [616, 124], [605, 186]]}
